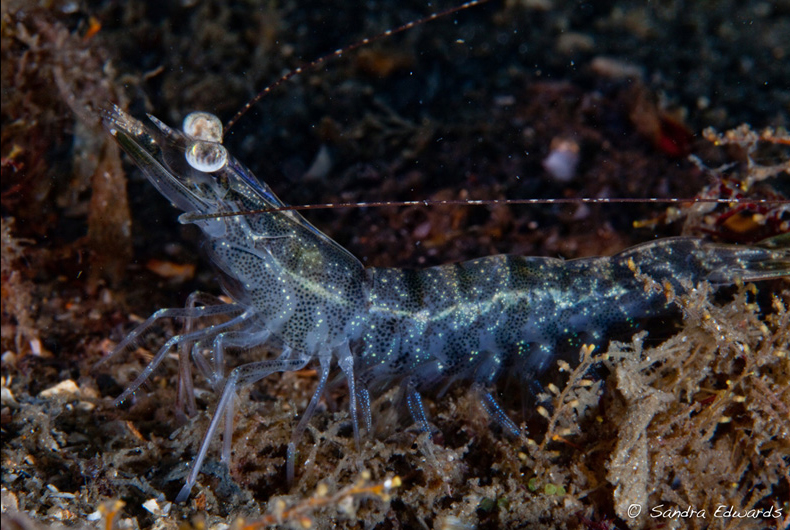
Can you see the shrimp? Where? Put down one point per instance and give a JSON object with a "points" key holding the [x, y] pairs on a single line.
{"points": [[295, 290]]}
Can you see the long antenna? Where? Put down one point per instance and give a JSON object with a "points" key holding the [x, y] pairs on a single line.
{"points": [[341, 51], [488, 202], [313, 65]]}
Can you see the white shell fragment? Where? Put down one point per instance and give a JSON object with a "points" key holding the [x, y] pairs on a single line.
{"points": [[203, 126], [562, 160], [206, 156], [153, 506], [64, 388]]}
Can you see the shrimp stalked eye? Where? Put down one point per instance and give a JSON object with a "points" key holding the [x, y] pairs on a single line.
{"points": [[203, 126], [207, 157], [206, 153]]}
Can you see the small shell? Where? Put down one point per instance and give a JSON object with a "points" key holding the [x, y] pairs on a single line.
{"points": [[203, 126], [562, 160], [207, 156]]}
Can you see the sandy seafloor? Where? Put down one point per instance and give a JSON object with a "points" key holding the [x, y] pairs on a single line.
{"points": [[466, 107]]}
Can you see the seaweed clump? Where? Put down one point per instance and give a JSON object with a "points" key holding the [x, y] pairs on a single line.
{"points": [[58, 164]]}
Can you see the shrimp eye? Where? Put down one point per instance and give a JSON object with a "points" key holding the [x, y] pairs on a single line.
{"points": [[207, 157], [203, 126]]}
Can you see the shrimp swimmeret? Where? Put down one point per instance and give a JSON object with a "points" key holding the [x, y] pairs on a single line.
{"points": [[296, 290]]}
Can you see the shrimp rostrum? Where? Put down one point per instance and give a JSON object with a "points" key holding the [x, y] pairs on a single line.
{"points": [[296, 291]]}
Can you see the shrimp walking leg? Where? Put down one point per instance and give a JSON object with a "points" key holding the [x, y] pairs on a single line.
{"points": [[173, 312], [416, 409], [495, 411], [171, 342], [238, 378], [346, 362], [325, 363], [364, 405], [246, 339], [185, 398], [237, 340]]}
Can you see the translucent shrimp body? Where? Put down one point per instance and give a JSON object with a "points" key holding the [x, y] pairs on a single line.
{"points": [[295, 289]]}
